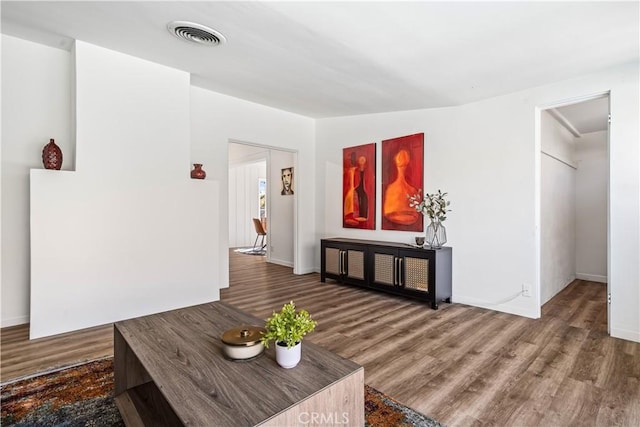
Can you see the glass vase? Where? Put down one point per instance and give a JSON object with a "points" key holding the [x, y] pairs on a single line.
{"points": [[435, 235]]}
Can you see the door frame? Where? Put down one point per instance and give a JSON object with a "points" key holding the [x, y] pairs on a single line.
{"points": [[270, 148], [538, 189]]}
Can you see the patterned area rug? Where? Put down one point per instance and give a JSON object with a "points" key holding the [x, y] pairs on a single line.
{"points": [[83, 396]]}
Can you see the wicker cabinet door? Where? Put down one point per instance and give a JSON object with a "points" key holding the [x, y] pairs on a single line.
{"points": [[332, 261], [355, 264], [416, 273], [384, 272]]}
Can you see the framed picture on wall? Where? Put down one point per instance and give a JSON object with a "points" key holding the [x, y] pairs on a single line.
{"points": [[359, 187], [402, 176], [287, 181]]}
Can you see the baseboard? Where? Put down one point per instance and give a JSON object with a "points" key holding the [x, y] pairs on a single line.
{"points": [[280, 262], [14, 321], [307, 270], [591, 277], [503, 308], [625, 334]]}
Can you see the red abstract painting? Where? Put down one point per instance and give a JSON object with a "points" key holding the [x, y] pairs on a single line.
{"points": [[359, 187], [402, 175]]}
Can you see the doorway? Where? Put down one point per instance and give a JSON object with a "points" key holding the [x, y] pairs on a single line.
{"points": [[573, 202], [256, 186]]}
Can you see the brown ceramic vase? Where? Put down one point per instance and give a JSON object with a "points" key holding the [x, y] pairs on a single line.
{"points": [[197, 172], [52, 156]]}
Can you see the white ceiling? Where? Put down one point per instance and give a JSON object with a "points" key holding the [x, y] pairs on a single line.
{"points": [[324, 59]]}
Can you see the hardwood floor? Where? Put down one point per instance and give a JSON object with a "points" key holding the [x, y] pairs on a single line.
{"points": [[461, 365], [20, 357]]}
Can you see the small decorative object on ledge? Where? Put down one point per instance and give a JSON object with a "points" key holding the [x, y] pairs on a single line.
{"points": [[197, 172], [52, 156], [433, 206]]}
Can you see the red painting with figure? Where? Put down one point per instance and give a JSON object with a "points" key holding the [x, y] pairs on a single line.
{"points": [[402, 175], [359, 187]]}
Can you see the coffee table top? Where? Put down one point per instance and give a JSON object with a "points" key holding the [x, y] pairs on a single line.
{"points": [[181, 351]]}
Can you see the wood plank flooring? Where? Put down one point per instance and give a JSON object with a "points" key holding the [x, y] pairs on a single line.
{"points": [[461, 365], [20, 357]]}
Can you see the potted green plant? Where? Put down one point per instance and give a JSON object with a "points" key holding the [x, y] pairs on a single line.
{"points": [[287, 328]]}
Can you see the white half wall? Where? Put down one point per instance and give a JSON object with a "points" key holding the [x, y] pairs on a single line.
{"points": [[129, 233], [107, 250], [557, 208], [487, 156], [591, 206], [36, 97]]}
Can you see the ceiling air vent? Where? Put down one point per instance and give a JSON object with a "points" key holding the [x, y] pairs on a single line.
{"points": [[195, 33]]}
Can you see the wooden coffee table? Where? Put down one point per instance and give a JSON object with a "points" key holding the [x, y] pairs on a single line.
{"points": [[170, 370]]}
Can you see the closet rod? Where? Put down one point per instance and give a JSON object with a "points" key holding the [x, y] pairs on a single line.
{"points": [[560, 160]]}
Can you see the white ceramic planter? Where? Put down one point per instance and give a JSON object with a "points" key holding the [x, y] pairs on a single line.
{"points": [[288, 357]]}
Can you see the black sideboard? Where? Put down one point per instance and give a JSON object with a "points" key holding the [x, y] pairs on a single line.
{"points": [[397, 268]]}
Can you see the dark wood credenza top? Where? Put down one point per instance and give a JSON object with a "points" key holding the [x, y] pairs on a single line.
{"points": [[182, 352], [380, 243]]}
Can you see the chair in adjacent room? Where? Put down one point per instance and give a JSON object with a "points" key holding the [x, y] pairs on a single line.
{"points": [[260, 233]]}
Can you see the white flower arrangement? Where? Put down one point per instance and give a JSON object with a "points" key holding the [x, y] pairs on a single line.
{"points": [[433, 205]]}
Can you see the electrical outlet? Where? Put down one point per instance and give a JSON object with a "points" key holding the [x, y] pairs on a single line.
{"points": [[526, 290]]}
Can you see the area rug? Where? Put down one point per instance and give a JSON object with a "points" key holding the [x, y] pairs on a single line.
{"points": [[251, 251], [83, 396]]}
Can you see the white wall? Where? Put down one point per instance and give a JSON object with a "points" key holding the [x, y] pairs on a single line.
{"points": [[38, 78], [487, 157], [624, 206], [129, 233], [281, 210], [480, 167], [1, 296], [591, 206], [558, 208], [217, 119], [35, 107], [243, 202]]}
